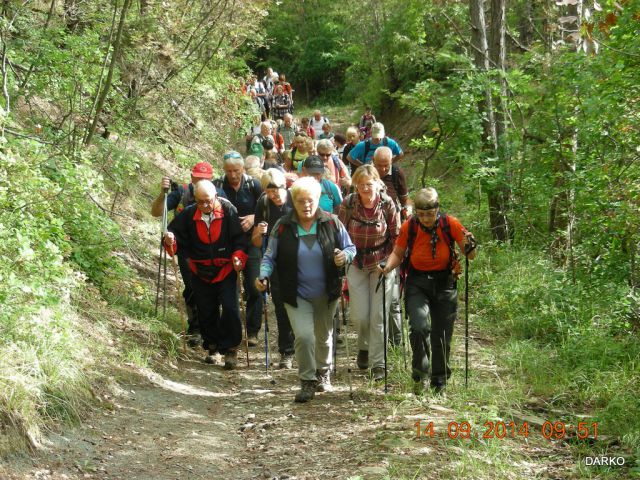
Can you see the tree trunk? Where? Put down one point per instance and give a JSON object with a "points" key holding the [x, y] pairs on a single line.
{"points": [[117, 45], [485, 61]]}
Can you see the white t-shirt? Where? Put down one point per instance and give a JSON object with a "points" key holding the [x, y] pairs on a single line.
{"points": [[317, 125]]}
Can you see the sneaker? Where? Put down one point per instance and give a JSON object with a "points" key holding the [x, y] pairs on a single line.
{"points": [[363, 359], [307, 391], [252, 340], [377, 374], [324, 380], [230, 360], [286, 361]]}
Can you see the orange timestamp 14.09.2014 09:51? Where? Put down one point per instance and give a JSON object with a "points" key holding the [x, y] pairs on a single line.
{"points": [[550, 430]]}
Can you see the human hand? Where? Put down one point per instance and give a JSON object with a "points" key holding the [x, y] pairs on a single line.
{"points": [[169, 239], [339, 257], [165, 184], [261, 285], [262, 228]]}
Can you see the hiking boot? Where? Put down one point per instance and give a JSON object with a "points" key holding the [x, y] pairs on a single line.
{"points": [[252, 340], [324, 380], [307, 391], [210, 357], [194, 339], [363, 359], [286, 361], [438, 388], [377, 374], [230, 360]]}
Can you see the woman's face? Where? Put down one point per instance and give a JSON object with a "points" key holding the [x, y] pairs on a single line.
{"points": [[276, 195], [367, 189], [427, 217], [305, 205]]}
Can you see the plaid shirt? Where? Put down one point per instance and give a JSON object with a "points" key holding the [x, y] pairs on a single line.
{"points": [[373, 234]]}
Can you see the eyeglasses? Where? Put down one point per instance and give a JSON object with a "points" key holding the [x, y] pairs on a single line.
{"points": [[207, 201], [365, 186], [324, 155], [432, 212]]}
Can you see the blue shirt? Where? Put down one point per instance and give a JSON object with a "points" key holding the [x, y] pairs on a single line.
{"points": [[311, 277], [357, 152]]}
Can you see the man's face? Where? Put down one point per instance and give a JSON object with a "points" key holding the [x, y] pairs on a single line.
{"points": [[233, 173], [265, 130], [287, 121], [375, 141], [383, 166], [205, 202], [317, 115]]}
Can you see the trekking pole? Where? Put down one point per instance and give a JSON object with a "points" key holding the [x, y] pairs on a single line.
{"points": [[382, 280], [265, 297], [180, 303], [336, 325], [164, 231], [466, 321], [161, 254], [403, 333], [346, 343], [243, 312], [384, 327]]}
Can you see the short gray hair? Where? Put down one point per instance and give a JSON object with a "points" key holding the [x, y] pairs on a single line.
{"points": [[251, 161], [324, 144], [426, 199], [232, 158]]}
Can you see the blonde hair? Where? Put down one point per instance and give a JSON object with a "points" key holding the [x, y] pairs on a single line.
{"points": [[362, 171], [273, 176]]}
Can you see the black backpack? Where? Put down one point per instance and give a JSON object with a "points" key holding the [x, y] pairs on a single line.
{"points": [[367, 147]]}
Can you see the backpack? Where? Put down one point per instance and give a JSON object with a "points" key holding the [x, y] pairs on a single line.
{"points": [[263, 204], [443, 222], [249, 183], [324, 182], [367, 147], [350, 202]]}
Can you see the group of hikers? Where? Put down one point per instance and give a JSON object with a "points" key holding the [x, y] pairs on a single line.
{"points": [[310, 219]]}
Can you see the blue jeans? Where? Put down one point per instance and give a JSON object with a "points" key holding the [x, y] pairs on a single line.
{"points": [[432, 304]]}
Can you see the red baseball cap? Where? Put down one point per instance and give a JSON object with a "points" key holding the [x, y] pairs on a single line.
{"points": [[202, 170]]}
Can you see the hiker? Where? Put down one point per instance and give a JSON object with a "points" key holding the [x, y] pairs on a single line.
{"points": [[330, 197], [352, 140], [274, 203], [363, 152], [337, 171], [431, 297], [340, 142], [302, 148], [290, 172], [365, 123], [326, 133], [243, 192], [395, 183], [307, 247], [306, 127], [253, 166], [316, 122], [210, 235], [178, 199], [288, 130], [372, 220], [280, 103]]}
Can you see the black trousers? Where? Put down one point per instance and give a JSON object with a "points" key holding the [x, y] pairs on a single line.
{"points": [[220, 332], [285, 332], [187, 294], [432, 305]]}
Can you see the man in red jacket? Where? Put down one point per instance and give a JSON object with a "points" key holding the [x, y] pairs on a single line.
{"points": [[208, 233]]}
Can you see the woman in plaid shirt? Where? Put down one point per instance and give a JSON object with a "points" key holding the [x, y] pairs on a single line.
{"points": [[372, 221]]}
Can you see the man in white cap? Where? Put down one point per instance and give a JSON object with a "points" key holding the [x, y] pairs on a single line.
{"points": [[363, 152]]}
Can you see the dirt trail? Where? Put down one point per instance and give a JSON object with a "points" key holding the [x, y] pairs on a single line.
{"points": [[193, 420]]}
